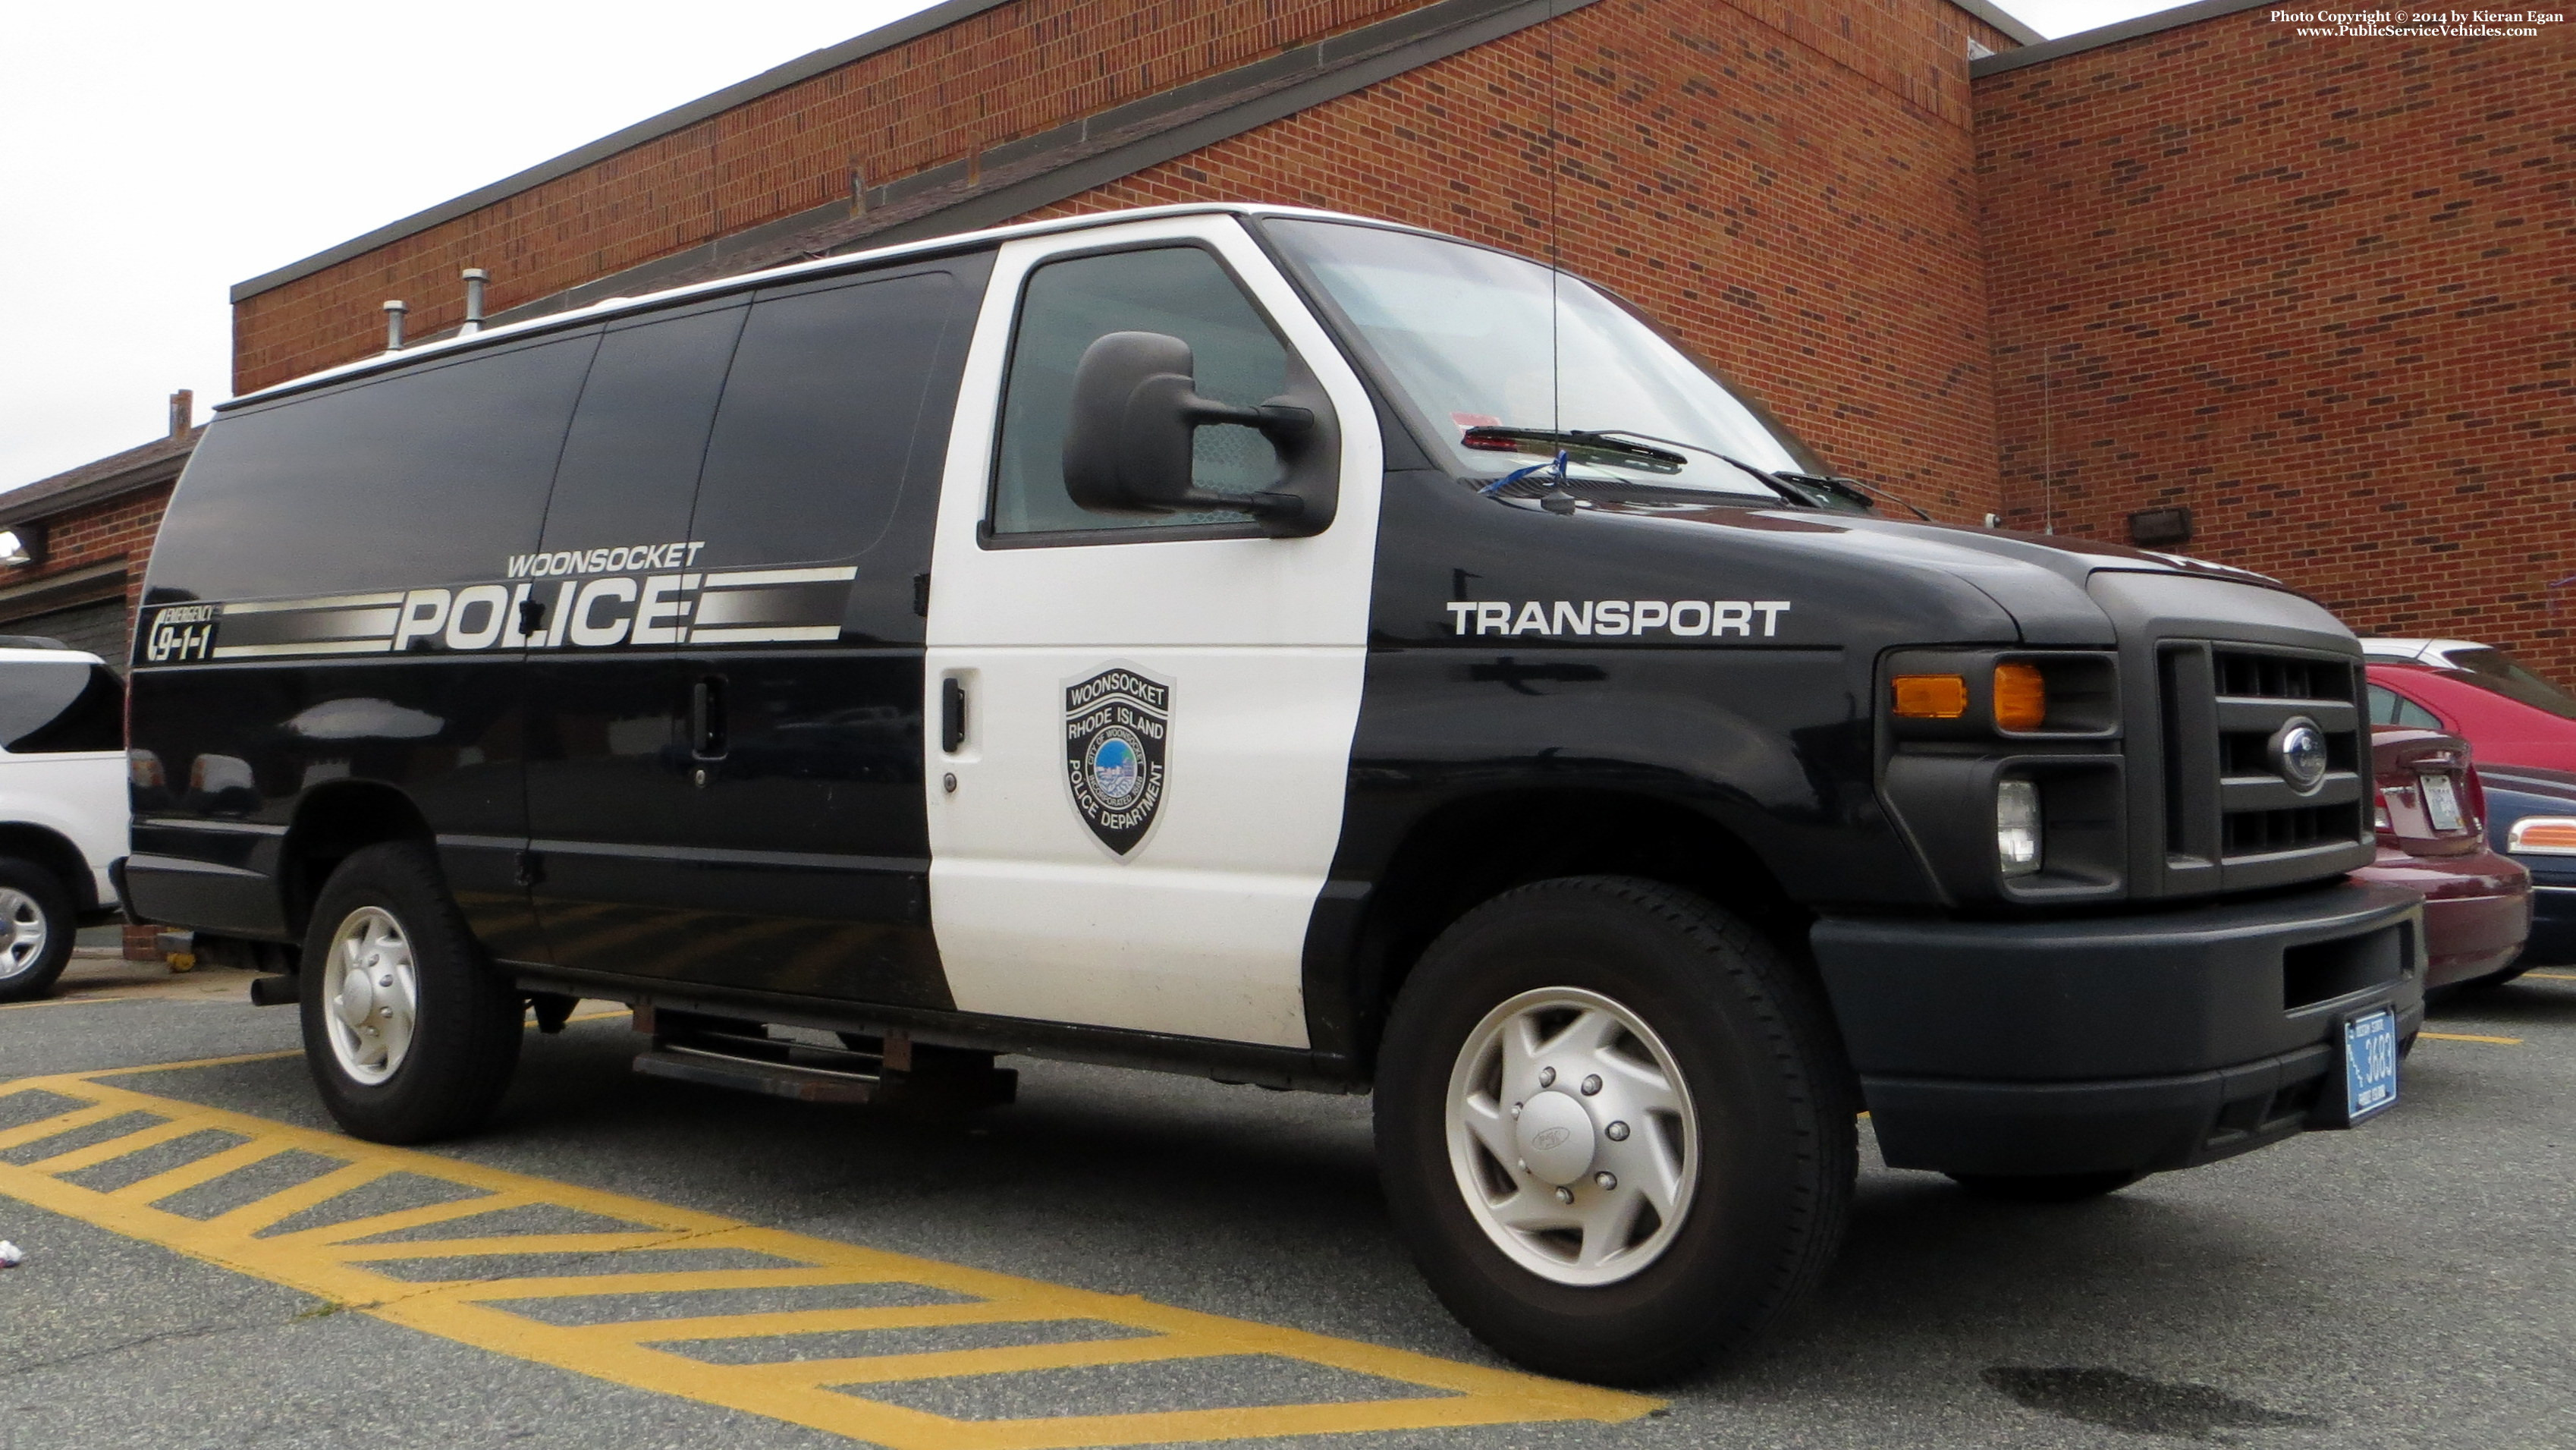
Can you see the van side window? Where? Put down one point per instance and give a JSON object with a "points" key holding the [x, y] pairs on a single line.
{"points": [[48, 708], [630, 467], [820, 415], [425, 477], [1069, 305]]}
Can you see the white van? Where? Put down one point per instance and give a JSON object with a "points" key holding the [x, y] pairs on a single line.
{"points": [[62, 804]]}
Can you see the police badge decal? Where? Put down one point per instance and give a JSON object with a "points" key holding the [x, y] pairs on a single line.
{"points": [[1117, 732]]}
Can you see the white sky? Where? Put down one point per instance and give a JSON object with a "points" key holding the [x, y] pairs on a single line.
{"points": [[154, 153]]}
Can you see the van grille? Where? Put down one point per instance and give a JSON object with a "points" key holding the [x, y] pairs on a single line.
{"points": [[2225, 803]]}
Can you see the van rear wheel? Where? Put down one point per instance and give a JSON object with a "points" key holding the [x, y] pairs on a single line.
{"points": [[36, 928], [409, 1032], [1614, 1128]]}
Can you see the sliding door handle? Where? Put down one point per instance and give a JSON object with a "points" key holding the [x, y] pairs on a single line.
{"points": [[707, 718], [952, 714]]}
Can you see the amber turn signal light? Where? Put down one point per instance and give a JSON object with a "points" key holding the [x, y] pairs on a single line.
{"points": [[1931, 697], [2021, 697]]}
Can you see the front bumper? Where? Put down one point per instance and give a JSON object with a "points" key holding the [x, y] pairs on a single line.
{"points": [[2130, 1043]]}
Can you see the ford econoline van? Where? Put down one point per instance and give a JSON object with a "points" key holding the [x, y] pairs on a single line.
{"points": [[1277, 646]]}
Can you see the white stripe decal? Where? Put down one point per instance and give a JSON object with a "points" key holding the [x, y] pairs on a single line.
{"points": [[337, 601], [310, 647], [758, 634], [742, 577]]}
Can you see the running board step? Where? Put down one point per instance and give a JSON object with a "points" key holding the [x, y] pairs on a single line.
{"points": [[746, 1060], [775, 1079]]}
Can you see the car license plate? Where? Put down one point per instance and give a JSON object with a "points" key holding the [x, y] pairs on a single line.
{"points": [[2441, 802], [2369, 1064]]}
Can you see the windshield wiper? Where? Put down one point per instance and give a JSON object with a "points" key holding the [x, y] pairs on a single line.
{"points": [[1859, 492], [1578, 445], [1628, 448]]}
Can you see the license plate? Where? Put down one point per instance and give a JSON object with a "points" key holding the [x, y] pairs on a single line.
{"points": [[2369, 1064], [2441, 802]]}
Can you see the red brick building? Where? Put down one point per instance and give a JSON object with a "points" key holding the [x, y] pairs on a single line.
{"points": [[2317, 291]]}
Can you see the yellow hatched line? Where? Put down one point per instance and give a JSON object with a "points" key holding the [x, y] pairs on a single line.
{"points": [[641, 1352]]}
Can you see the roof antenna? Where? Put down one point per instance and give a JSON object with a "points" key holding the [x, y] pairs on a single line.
{"points": [[394, 311], [475, 277]]}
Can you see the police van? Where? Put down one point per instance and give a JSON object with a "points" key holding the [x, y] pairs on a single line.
{"points": [[1282, 647]]}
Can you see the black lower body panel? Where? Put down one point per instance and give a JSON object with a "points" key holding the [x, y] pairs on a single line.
{"points": [[1231, 1062], [2134, 1043]]}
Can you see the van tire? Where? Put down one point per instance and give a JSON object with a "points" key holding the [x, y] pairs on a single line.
{"points": [[37, 923], [1772, 1099], [466, 1020]]}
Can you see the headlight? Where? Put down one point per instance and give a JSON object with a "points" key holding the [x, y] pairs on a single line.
{"points": [[2017, 826], [2543, 836]]}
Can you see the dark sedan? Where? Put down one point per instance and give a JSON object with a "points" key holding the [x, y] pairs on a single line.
{"points": [[2531, 817]]}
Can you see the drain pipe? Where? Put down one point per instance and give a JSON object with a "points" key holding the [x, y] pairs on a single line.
{"points": [[394, 311], [475, 277]]}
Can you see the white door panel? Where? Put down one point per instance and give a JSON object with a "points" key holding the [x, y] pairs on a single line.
{"points": [[1200, 928]]}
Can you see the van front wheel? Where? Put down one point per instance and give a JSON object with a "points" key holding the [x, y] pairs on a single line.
{"points": [[409, 1032], [1613, 1128]]}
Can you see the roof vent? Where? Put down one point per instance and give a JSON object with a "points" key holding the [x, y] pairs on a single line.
{"points": [[475, 277], [394, 311]]}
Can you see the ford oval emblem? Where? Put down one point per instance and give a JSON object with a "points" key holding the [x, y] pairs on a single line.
{"points": [[1551, 1140], [2298, 751]]}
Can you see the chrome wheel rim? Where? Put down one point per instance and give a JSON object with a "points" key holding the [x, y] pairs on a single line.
{"points": [[23, 933], [370, 995], [1572, 1136]]}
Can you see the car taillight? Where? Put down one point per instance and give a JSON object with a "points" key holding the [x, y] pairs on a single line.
{"points": [[2474, 798], [2542, 836]]}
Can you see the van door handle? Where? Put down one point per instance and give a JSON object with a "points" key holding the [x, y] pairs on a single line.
{"points": [[952, 714], [707, 718]]}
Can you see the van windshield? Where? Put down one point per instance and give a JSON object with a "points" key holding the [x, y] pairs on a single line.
{"points": [[1478, 339]]}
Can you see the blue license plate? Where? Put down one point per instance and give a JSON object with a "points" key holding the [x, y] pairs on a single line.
{"points": [[2369, 1064]]}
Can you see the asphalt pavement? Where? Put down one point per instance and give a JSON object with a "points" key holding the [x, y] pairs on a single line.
{"points": [[2408, 1284]]}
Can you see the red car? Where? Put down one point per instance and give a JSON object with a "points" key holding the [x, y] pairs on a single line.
{"points": [[2474, 691], [2432, 838]]}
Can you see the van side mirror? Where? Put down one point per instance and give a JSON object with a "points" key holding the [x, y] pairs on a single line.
{"points": [[1136, 410]]}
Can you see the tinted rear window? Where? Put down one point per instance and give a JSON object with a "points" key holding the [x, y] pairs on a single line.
{"points": [[824, 402], [630, 467], [428, 477]]}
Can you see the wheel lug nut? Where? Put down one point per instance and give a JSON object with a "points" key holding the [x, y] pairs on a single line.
{"points": [[1523, 1165], [1565, 1195], [1616, 1132], [1547, 1077], [1516, 1110], [1606, 1180], [1592, 1084]]}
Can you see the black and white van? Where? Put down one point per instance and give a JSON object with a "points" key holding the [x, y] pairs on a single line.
{"points": [[1275, 646]]}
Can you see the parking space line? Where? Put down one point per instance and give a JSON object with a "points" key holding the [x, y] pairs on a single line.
{"points": [[2553, 976], [639, 1350], [2473, 1037]]}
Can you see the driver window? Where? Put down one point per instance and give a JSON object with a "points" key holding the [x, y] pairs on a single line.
{"points": [[1067, 306]]}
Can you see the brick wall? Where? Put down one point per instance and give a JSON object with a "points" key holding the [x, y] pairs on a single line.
{"points": [[1787, 182], [2322, 291], [995, 77], [118, 528], [1787, 185]]}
